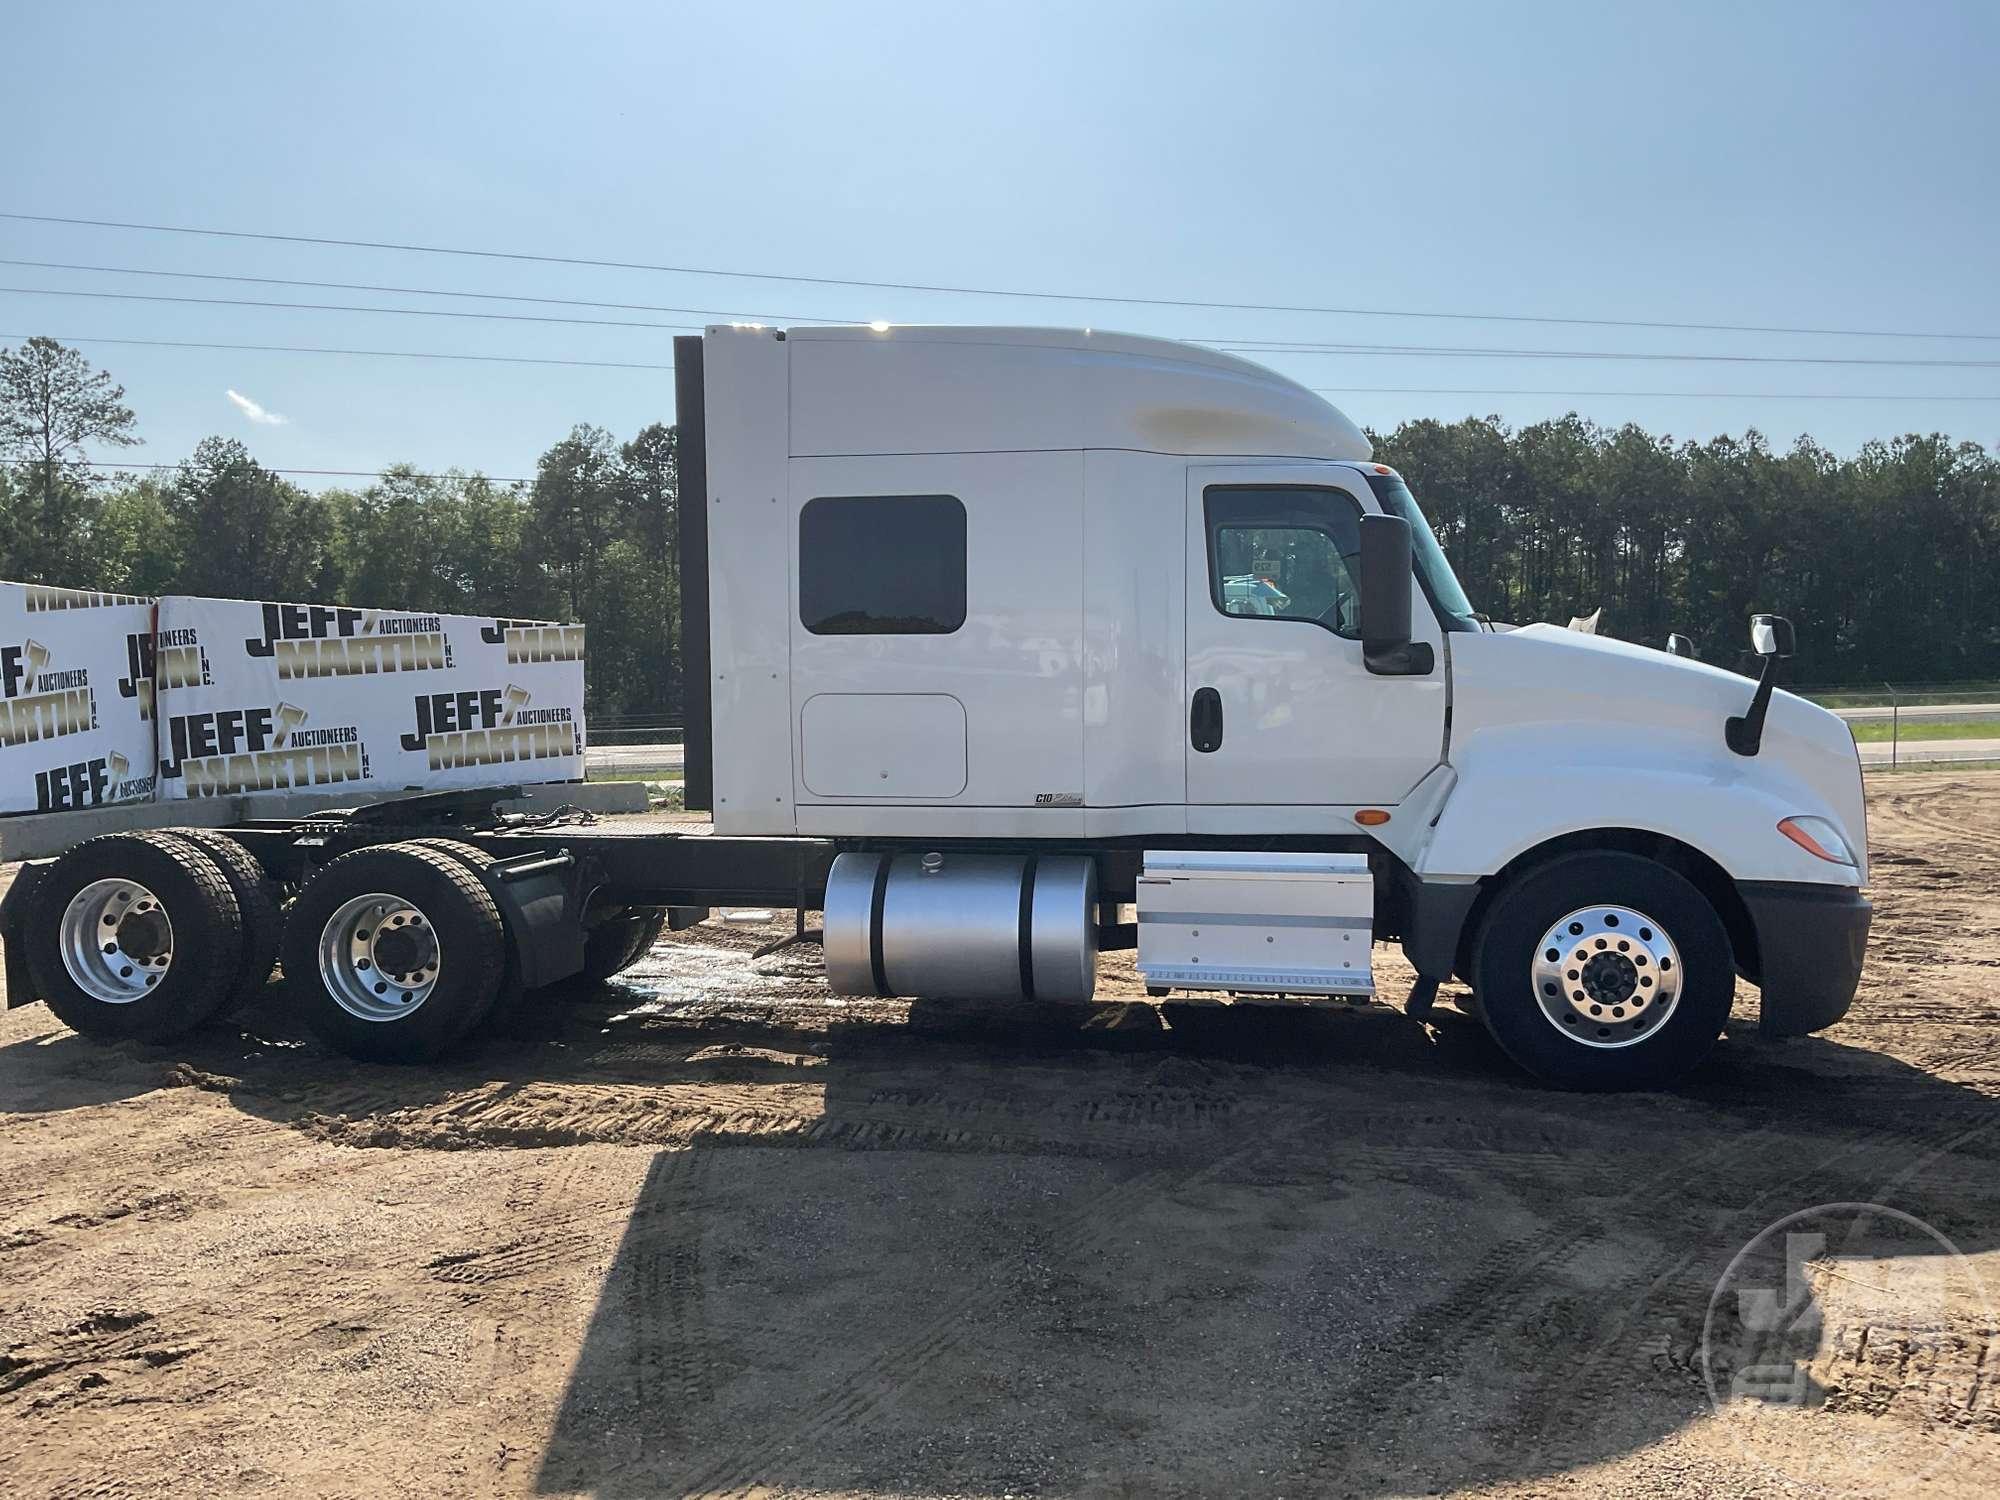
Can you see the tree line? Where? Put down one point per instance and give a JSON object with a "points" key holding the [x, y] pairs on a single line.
{"points": [[1883, 560], [590, 539]]}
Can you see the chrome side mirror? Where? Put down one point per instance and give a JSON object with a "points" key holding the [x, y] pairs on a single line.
{"points": [[1771, 635], [1771, 638]]}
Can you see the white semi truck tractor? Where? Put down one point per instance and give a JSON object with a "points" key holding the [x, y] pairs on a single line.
{"points": [[994, 635]]}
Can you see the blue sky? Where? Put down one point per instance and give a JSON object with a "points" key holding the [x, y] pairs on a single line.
{"points": [[1825, 165]]}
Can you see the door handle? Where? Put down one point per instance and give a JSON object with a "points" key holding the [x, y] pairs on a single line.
{"points": [[1205, 721]]}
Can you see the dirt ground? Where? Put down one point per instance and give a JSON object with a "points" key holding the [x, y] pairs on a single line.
{"points": [[710, 1232]]}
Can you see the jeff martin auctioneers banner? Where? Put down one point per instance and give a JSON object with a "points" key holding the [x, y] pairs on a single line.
{"points": [[76, 698], [304, 697]]}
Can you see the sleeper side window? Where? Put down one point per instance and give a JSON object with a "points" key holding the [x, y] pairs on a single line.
{"points": [[882, 565], [1285, 553]]}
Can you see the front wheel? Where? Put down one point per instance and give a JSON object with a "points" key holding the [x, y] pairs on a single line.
{"points": [[1604, 970]]}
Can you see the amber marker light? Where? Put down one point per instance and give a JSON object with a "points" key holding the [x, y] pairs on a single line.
{"points": [[1818, 838], [1371, 817]]}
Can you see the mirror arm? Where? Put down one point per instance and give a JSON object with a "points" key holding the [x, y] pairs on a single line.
{"points": [[1745, 733]]}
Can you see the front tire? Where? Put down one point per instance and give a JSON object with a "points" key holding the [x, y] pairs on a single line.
{"points": [[393, 954], [1604, 970]]}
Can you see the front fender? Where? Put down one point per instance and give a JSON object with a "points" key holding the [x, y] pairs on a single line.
{"points": [[1515, 791]]}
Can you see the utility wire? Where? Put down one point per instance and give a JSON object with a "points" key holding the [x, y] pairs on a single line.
{"points": [[1323, 390], [422, 291], [1253, 346], [1449, 352], [1431, 390], [406, 312], [1424, 351], [501, 359], [978, 291]]}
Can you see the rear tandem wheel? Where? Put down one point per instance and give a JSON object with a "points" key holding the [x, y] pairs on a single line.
{"points": [[134, 936], [393, 954]]}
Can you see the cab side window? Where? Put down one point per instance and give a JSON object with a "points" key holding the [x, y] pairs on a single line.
{"points": [[882, 564], [1285, 553]]}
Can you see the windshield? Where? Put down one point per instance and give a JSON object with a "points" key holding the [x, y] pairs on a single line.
{"points": [[1433, 572]]}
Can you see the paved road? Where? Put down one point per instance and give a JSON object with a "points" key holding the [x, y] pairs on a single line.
{"points": [[1914, 752], [634, 759], [1933, 711]]}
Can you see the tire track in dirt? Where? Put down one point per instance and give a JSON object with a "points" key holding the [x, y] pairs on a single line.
{"points": [[1546, 1412], [1478, 1311], [1960, 836], [662, 1266], [857, 1392], [860, 1393]]}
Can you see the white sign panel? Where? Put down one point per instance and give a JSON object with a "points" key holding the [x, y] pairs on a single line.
{"points": [[306, 697], [76, 698]]}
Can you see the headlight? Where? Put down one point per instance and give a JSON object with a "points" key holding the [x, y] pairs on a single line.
{"points": [[1818, 838]]}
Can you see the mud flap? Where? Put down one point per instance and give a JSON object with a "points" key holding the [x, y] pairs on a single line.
{"points": [[13, 919], [541, 899]]}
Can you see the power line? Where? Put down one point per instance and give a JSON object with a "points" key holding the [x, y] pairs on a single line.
{"points": [[420, 291], [112, 463], [1431, 390], [1254, 346], [1452, 352], [501, 359], [407, 312], [977, 291], [1324, 390], [1358, 350]]}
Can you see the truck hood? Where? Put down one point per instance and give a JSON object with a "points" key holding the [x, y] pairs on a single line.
{"points": [[1591, 700]]}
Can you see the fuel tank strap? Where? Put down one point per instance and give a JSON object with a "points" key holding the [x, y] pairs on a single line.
{"points": [[1027, 930], [876, 900]]}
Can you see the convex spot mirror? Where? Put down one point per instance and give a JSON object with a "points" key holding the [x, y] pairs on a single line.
{"points": [[1680, 645], [1771, 635]]}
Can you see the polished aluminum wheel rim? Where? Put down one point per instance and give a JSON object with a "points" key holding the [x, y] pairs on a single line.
{"points": [[1607, 976], [378, 957], [116, 941]]}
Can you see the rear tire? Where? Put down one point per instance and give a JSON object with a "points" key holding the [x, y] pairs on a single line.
{"points": [[506, 1001], [134, 937], [404, 1004], [613, 947], [256, 896], [1603, 970]]}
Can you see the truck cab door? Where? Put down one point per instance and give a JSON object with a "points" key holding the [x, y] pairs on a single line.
{"points": [[1287, 730]]}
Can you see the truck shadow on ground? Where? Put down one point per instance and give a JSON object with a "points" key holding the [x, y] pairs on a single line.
{"points": [[1261, 1253], [1178, 1249]]}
